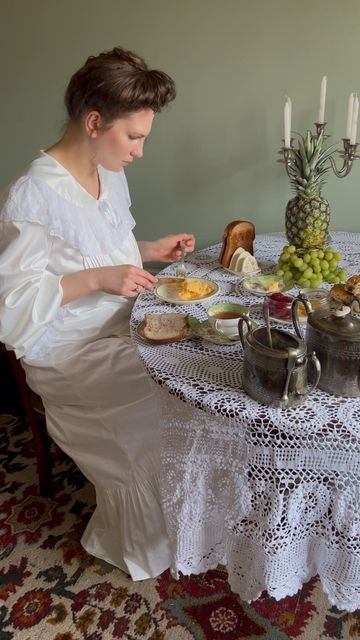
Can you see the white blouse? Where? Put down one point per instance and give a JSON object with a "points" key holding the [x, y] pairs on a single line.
{"points": [[51, 226]]}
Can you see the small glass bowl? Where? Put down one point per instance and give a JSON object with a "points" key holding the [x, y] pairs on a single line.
{"points": [[279, 305], [318, 298]]}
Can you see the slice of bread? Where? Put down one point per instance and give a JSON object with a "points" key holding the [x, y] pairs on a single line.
{"points": [[163, 328], [239, 233]]}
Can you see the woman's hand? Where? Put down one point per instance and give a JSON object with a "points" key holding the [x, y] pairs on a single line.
{"points": [[121, 280], [166, 249], [125, 280]]}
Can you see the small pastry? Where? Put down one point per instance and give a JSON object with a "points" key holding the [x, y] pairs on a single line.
{"points": [[353, 285], [340, 295]]}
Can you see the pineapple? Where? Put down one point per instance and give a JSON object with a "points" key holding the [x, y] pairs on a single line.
{"points": [[308, 214]]}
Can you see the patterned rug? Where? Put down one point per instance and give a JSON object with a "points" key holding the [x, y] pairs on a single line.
{"points": [[50, 588]]}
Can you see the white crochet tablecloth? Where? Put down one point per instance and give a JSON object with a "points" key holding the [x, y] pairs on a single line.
{"points": [[273, 494]]}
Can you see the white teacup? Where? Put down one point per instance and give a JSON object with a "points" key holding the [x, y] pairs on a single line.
{"points": [[224, 318]]}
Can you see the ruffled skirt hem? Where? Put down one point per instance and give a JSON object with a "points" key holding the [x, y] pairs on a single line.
{"points": [[127, 529]]}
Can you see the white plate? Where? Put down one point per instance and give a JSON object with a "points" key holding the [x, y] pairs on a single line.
{"points": [[206, 332], [264, 267], [167, 289], [256, 285], [242, 274]]}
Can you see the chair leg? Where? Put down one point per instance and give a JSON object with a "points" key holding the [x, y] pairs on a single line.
{"points": [[38, 430]]}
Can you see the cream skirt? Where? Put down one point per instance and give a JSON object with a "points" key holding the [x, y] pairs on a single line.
{"points": [[102, 411]]}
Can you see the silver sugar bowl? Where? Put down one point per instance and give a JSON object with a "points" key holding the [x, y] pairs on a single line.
{"points": [[276, 366]]}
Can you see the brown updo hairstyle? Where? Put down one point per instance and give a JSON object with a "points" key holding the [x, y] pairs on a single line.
{"points": [[116, 83]]}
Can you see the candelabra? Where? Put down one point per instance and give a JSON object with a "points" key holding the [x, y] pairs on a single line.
{"points": [[348, 154]]}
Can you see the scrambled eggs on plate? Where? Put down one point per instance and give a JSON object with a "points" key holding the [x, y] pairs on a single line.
{"points": [[194, 289], [185, 290]]}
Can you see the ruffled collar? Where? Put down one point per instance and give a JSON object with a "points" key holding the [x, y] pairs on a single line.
{"points": [[57, 177], [47, 194]]}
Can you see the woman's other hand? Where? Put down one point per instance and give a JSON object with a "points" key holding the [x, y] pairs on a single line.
{"points": [[166, 249], [121, 280]]}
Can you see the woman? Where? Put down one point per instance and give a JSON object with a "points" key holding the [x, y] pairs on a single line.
{"points": [[70, 268]]}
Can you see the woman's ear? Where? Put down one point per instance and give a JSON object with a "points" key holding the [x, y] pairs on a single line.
{"points": [[93, 123]]}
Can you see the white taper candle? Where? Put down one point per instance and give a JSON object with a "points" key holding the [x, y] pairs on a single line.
{"points": [[287, 123], [321, 118], [290, 109], [355, 114], [349, 115]]}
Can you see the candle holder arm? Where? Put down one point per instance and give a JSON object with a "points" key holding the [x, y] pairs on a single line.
{"points": [[348, 155]]}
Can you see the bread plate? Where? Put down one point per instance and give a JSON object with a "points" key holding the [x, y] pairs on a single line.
{"points": [[265, 267], [173, 289], [242, 274], [140, 333], [192, 329]]}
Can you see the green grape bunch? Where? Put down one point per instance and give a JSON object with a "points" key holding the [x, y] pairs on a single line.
{"points": [[312, 268]]}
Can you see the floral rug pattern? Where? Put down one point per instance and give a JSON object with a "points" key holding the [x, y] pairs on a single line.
{"points": [[50, 588]]}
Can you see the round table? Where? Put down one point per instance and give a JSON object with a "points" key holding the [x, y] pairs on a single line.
{"points": [[273, 494]]}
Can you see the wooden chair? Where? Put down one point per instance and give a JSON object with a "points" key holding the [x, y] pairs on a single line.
{"points": [[35, 413]]}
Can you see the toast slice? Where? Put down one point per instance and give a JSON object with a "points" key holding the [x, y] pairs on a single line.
{"points": [[239, 233], [163, 328]]}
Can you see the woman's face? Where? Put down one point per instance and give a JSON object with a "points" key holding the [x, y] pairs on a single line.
{"points": [[117, 145]]}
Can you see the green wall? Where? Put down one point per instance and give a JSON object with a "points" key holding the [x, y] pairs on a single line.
{"points": [[212, 156]]}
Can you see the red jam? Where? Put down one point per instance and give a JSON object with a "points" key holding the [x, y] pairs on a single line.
{"points": [[280, 305]]}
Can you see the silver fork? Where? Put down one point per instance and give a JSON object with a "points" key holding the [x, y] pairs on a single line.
{"points": [[181, 270]]}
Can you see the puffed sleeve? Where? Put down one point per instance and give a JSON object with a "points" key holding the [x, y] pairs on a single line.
{"points": [[30, 295]]}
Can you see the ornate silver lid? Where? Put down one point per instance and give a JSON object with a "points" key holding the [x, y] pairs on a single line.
{"points": [[338, 323]]}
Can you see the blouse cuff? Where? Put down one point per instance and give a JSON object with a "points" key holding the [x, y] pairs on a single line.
{"points": [[33, 321]]}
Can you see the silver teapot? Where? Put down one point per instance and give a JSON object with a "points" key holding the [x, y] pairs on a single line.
{"points": [[335, 336], [276, 366]]}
